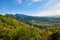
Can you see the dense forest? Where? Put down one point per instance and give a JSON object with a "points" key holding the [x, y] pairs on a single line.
{"points": [[13, 29]]}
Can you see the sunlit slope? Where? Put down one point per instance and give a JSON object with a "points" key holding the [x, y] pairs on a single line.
{"points": [[12, 29]]}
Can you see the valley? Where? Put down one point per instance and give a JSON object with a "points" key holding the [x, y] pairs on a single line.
{"points": [[23, 27]]}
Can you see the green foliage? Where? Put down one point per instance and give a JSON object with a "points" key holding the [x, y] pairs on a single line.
{"points": [[12, 29], [54, 36]]}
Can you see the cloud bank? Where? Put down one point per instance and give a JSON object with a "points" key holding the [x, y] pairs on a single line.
{"points": [[53, 9], [32, 1], [19, 1], [36, 0]]}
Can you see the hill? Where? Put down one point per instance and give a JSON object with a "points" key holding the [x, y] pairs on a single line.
{"points": [[13, 29], [38, 21]]}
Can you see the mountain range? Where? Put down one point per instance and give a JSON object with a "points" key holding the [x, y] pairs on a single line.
{"points": [[23, 27], [36, 21], [27, 18]]}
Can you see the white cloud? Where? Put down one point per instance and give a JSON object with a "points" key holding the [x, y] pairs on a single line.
{"points": [[49, 13], [29, 4], [19, 1], [33, 1], [53, 9], [36, 0]]}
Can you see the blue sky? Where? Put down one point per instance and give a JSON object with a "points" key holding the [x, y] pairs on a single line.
{"points": [[30, 7]]}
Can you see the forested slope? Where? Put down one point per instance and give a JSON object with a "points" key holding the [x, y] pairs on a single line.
{"points": [[12, 29]]}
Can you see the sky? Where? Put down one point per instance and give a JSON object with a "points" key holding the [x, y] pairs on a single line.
{"points": [[30, 7]]}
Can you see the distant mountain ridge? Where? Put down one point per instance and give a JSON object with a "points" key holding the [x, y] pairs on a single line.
{"points": [[29, 19], [12, 27], [38, 19]]}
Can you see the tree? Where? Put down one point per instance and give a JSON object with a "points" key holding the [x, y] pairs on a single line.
{"points": [[54, 36]]}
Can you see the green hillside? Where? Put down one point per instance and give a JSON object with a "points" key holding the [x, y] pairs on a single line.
{"points": [[12, 29]]}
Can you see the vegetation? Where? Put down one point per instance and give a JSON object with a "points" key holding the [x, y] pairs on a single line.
{"points": [[54, 36], [12, 29]]}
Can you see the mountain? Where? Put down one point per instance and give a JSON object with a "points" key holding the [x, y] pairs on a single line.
{"points": [[12, 28], [38, 19]]}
